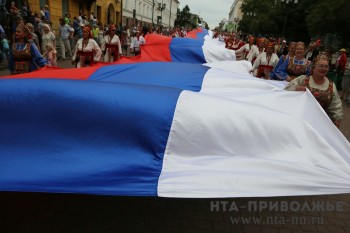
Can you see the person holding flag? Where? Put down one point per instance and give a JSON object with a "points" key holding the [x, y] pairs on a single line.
{"points": [[265, 62], [247, 48], [256, 51]]}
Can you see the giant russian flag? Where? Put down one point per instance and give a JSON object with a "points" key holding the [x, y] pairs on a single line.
{"points": [[167, 129]]}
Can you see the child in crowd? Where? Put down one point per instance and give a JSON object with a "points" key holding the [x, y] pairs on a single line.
{"points": [[51, 55]]}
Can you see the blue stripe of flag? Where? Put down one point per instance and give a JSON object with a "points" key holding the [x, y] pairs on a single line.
{"points": [[104, 136], [187, 50], [184, 76], [202, 34]]}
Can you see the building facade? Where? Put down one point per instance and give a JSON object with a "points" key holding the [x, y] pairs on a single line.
{"points": [[235, 14], [235, 11], [104, 11], [120, 12], [149, 12]]}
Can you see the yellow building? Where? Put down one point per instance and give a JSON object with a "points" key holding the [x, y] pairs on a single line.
{"points": [[104, 10]]}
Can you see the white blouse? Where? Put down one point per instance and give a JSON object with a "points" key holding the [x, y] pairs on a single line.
{"points": [[115, 41], [91, 46], [262, 59]]}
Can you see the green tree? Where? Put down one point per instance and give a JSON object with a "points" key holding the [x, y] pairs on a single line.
{"points": [[258, 17], [301, 21], [184, 17], [329, 17]]}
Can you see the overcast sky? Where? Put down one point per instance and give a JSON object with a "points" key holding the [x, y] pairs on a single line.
{"points": [[212, 11]]}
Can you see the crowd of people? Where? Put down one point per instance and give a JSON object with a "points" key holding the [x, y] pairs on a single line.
{"points": [[84, 40], [303, 67]]}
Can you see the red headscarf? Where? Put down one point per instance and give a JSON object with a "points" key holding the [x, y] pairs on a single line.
{"points": [[260, 40], [88, 29], [111, 27], [270, 45]]}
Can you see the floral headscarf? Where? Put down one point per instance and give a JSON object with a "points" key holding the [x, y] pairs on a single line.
{"points": [[25, 29]]}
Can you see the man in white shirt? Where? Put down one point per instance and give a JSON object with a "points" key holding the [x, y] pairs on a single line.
{"points": [[136, 43]]}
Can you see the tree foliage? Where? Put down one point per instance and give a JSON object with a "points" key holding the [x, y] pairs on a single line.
{"points": [[301, 21], [184, 17], [329, 17]]}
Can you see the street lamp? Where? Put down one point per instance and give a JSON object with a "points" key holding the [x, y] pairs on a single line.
{"points": [[161, 8]]}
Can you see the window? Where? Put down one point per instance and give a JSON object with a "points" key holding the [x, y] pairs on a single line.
{"points": [[43, 3]]}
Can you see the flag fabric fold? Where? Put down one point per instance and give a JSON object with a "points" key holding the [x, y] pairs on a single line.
{"points": [[173, 130], [198, 47]]}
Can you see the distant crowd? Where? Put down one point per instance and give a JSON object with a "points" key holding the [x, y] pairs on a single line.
{"points": [[322, 71], [108, 43], [268, 55]]}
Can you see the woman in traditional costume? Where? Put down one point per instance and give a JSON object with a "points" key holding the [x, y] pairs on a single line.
{"points": [[247, 48], [294, 66], [290, 54], [87, 51], [24, 56], [323, 89], [265, 62], [111, 46], [256, 50], [237, 44]]}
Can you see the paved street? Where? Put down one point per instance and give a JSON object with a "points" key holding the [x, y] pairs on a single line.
{"points": [[50, 213], [35, 212]]}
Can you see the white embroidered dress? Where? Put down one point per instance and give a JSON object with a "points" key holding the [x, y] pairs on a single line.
{"points": [[108, 40], [91, 46]]}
